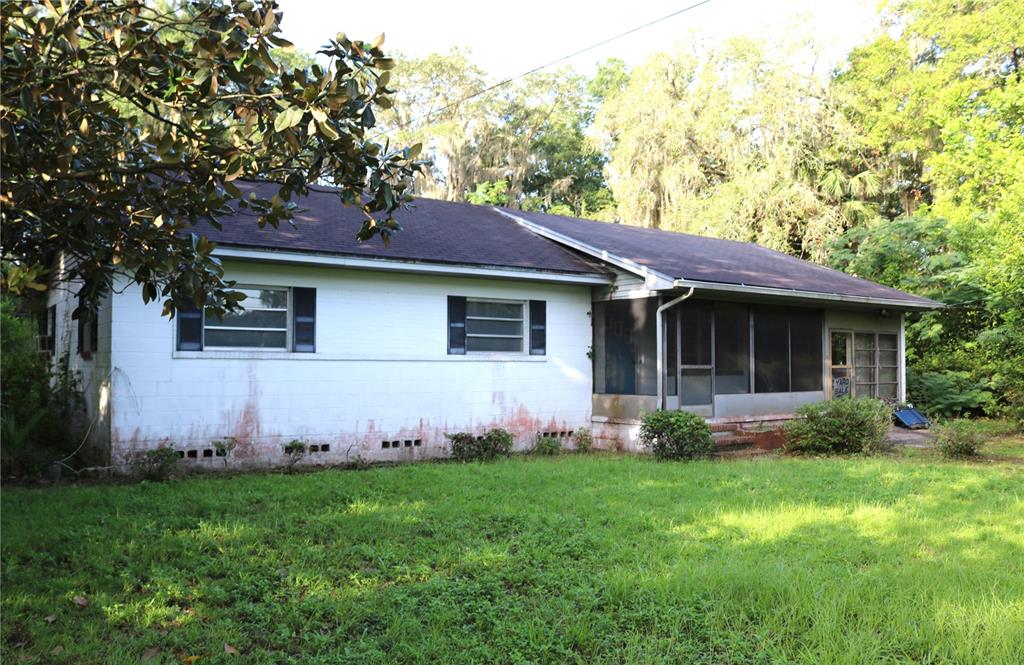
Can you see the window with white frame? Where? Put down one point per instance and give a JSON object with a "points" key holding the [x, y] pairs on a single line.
{"points": [[876, 365], [274, 318], [263, 324], [494, 325]]}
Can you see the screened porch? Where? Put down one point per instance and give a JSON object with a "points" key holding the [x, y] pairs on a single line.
{"points": [[733, 359]]}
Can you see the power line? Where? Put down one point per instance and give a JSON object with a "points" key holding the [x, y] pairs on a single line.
{"points": [[545, 66]]}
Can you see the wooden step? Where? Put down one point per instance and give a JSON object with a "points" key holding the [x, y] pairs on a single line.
{"points": [[723, 427]]}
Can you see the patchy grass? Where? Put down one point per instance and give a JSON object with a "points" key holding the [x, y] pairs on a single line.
{"points": [[588, 559]]}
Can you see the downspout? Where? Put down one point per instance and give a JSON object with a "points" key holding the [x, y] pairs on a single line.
{"points": [[660, 340]]}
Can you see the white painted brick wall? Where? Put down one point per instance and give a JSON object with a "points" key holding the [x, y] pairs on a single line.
{"points": [[381, 372]]}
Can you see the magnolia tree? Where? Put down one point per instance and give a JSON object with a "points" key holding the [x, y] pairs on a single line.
{"points": [[125, 122]]}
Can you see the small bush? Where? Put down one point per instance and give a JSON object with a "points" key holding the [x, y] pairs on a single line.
{"points": [[546, 445], [839, 426], [676, 435], [466, 447], [582, 440], [294, 450], [958, 439], [155, 464]]}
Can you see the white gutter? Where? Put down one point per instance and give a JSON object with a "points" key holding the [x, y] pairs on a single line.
{"points": [[796, 293], [406, 266], [660, 337]]}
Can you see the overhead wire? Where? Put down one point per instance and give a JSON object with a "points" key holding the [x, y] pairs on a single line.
{"points": [[539, 68]]}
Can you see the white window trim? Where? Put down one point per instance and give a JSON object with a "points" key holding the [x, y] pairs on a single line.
{"points": [[524, 328], [287, 348]]}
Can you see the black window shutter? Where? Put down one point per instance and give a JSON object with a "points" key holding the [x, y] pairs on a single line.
{"points": [[538, 327], [303, 320], [81, 326], [94, 332], [190, 328], [456, 325]]}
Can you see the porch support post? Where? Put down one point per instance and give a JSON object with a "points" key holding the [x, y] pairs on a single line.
{"points": [[660, 341]]}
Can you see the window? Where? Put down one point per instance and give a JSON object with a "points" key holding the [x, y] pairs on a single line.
{"points": [[273, 318], [842, 363], [493, 325], [263, 324], [88, 330], [477, 325], [47, 338], [876, 365]]}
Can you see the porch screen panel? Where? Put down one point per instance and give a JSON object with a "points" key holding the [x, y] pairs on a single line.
{"points": [[625, 361], [771, 350], [732, 349], [805, 349], [696, 328]]}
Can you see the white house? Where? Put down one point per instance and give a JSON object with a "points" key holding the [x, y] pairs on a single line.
{"points": [[473, 318]]}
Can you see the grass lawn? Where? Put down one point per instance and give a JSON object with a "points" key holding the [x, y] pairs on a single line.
{"points": [[597, 559]]}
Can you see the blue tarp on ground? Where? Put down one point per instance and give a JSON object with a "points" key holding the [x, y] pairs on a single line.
{"points": [[910, 417]]}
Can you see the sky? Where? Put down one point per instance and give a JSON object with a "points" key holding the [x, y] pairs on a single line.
{"points": [[507, 39]]}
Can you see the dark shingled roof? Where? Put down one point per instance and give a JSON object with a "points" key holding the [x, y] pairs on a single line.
{"points": [[432, 231], [462, 233], [689, 257]]}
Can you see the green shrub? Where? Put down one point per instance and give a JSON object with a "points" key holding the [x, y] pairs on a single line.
{"points": [[546, 445], [38, 403], [958, 439], [839, 426], [155, 464], [294, 451], [466, 447], [676, 435], [948, 393], [582, 440]]}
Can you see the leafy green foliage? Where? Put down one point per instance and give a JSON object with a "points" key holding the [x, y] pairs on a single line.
{"points": [[674, 435], [490, 193], [294, 452], [579, 559], [466, 447], [155, 464], [948, 393], [546, 445], [937, 97], [124, 125], [839, 426], [733, 143], [582, 440], [958, 439], [529, 137], [38, 401]]}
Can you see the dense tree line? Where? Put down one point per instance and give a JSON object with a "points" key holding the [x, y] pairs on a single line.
{"points": [[905, 165]]}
